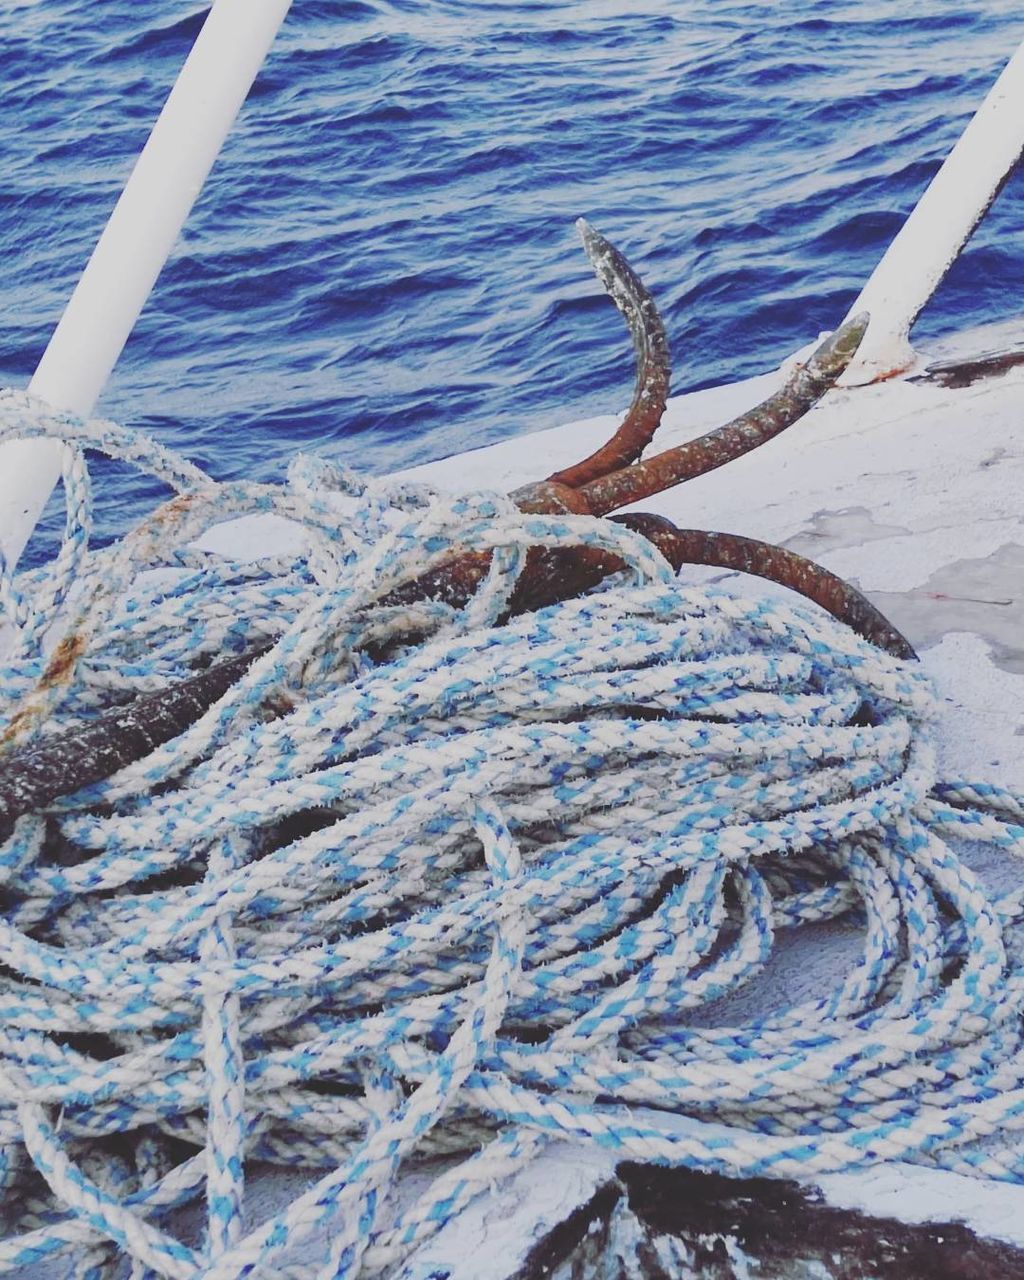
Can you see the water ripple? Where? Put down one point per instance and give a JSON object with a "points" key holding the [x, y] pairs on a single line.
{"points": [[384, 263]]}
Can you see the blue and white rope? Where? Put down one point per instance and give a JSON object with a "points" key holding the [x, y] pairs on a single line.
{"points": [[454, 904]]}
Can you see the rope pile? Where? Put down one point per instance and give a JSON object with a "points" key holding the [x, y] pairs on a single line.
{"points": [[439, 906]]}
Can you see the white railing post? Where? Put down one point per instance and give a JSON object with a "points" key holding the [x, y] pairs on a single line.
{"points": [[928, 243], [136, 242]]}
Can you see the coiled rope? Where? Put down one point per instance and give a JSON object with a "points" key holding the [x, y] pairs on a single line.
{"points": [[439, 907]]}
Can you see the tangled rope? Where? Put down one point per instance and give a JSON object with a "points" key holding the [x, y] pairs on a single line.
{"points": [[426, 890]]}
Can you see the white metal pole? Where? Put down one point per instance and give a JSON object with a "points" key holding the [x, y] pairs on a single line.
{"points": [[928, 243], [136, 242]]}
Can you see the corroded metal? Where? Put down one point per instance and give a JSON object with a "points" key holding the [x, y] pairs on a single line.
{"points": [[549, 497], [65, 762], [805, 387], [955, 374], [776, 564], [653, 363]]}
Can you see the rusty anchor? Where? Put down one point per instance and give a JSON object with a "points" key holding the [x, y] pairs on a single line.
{"points": [[614, 476]]}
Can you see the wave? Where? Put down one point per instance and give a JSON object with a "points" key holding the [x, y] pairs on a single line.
{"points": [[384, 262]]}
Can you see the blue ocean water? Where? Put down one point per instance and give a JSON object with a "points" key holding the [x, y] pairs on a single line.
{"points": [[384, 262]]}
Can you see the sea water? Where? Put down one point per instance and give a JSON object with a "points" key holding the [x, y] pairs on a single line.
{"points": [[383, 264]]}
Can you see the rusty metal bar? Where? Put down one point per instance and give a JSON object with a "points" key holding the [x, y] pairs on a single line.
{"points": [[775, 564], [653, 363], [802, 391]]}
